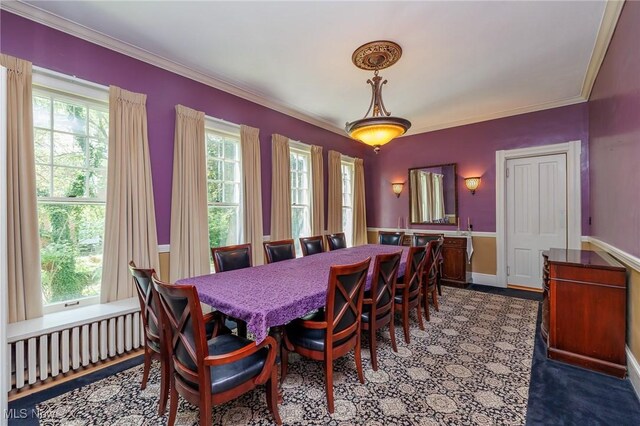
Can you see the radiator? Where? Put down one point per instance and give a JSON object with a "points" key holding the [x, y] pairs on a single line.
{"points": [[38, 358]]}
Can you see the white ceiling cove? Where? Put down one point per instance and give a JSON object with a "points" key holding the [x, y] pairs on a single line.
{"points": [[462, 62]]}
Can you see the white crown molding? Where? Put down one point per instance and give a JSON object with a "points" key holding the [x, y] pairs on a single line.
{"points": [[54, 21], [31, 12], [500, 114], [605, 33]]}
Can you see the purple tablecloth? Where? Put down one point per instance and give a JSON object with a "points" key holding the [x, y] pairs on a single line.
{"points": [[271, 295]]}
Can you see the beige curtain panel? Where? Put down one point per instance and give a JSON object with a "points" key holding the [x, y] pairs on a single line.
{"points": [[317, 184], [252, 191], [334, 198], [130, 223], [359, 210], [23, 240], [280, 188], [189, 226]]}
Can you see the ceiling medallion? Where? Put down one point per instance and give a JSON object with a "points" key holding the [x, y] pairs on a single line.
{"points": [[380, 128]]}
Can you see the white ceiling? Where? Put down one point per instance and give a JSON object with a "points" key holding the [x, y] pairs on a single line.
{"points": [[462, 61]]}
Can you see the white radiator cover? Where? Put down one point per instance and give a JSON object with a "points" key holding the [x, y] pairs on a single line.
{"points": [[35, 359]]}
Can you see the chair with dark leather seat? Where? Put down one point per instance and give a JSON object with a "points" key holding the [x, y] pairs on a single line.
{"points": [[312, 245], [155, 337], [408, 288], [214, 372], [418, 239], [333, 331], [277, 251], [422, 240], [431, 276], [378, 306], [230, 258], [336, 241], [390, 238]]}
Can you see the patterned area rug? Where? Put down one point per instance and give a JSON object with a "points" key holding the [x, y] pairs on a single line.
{"points": [[471, 365]]}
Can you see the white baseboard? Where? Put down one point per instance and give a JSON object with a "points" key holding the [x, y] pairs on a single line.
{"points": [[633, 370], [485, 279]]}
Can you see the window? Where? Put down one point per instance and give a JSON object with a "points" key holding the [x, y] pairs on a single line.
{"points": [[347, 200], [224, 177], [300, 159], [70, 142]]}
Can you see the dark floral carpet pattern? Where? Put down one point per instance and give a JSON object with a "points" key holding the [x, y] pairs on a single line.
{"points": [[471, 365]]}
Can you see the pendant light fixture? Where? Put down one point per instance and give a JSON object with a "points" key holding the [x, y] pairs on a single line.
{"points": [[380, 128]]}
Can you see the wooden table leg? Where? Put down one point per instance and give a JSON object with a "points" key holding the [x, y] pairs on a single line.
{"points": [[276, 333]]}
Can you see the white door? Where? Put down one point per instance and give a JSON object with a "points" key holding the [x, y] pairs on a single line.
{"points": [[536, 215]]}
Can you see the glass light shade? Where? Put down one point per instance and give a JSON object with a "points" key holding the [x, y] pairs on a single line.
{"points": [[472, 183], [397, 188], [377, 131]]}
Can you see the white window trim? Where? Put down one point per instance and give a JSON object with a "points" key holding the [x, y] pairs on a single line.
{"points": [[303, 148], [4, 290], [69, 85], [218, 125]]}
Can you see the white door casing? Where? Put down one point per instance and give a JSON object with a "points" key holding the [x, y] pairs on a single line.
{"points": [[574, 207], [4, 290], [536, 215]]}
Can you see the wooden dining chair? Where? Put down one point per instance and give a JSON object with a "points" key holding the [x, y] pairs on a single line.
{"points": [[390, 238], [378, 306], [431, 276], [312, 245], [155, 330], [422, 240], [334, 331], [230, 258], [419, 239], [211, 373], [277, 251], [336, 241], [408, 288]]}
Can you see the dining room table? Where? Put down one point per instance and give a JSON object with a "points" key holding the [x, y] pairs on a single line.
{"points": [[272, 295]]}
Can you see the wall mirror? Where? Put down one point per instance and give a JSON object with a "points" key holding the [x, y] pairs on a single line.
{"points": [[433, 195]]}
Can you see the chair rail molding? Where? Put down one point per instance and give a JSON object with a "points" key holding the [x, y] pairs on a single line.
{"points": [[574, 207]]}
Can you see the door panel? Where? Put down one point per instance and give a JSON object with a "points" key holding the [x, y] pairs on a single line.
{"points": [[536, 215]]}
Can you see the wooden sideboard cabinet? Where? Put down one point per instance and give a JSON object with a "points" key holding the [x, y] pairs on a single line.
{"points": [[587, 310], [456, 270]]}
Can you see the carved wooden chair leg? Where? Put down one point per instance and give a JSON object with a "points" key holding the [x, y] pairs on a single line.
{"points": [[173, 404], [435, 300], [272, 396], [147, 367], [205, 412], [165, 374], [427, 314], [328, 374], [405, 324], [392, 333], [372, 347], [358, 357], [419, 315]]}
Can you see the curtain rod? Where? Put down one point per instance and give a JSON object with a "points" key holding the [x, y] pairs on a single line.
{"points": [[221, 121]]}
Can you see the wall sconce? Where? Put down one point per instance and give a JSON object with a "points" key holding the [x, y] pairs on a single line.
{"points": [[472, 184], [397, 188]]}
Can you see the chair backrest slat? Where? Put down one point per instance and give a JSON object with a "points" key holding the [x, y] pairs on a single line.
{"points": [[344, 300], [416, 260], [185, 322], [383, 283], [148, 298], [423, 239]]}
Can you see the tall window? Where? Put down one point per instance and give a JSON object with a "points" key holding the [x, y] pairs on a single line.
{"points": [[224, 187], [71, 139], [347, 200], [300, 159]]}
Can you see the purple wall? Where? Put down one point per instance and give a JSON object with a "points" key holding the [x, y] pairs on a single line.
{"points": [[54, 50], [614, 148], [473, 148]]}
